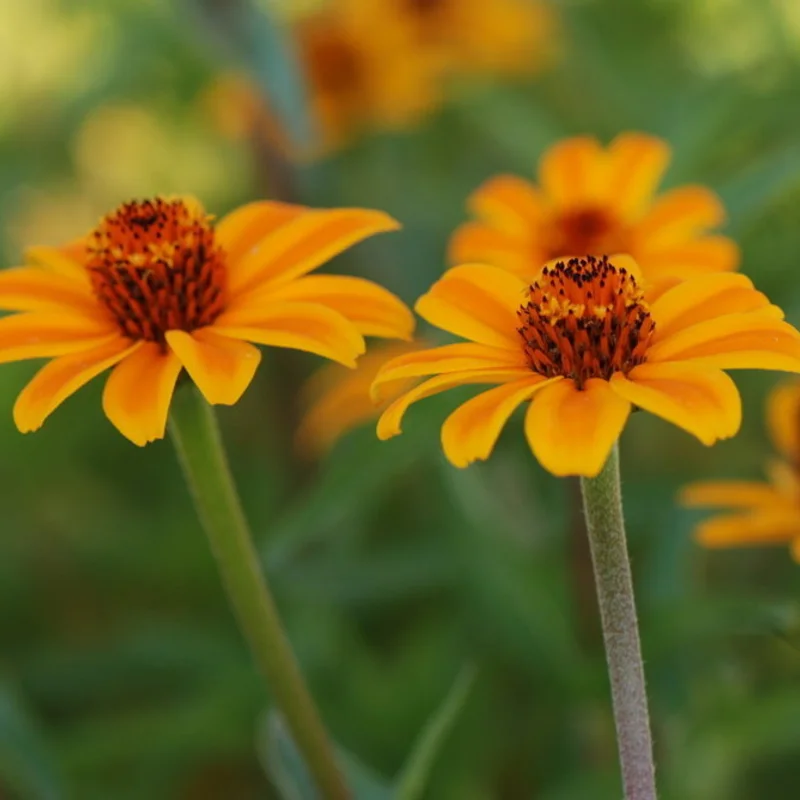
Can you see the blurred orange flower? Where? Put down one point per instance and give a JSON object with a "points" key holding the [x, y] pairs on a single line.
{"points": [[476, 36], [155, 289], [597, 200], [338, 400], [760, 512], [583, 345]]}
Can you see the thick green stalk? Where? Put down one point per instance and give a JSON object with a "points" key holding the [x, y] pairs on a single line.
{"points": [[602, 501], [194, 430]]}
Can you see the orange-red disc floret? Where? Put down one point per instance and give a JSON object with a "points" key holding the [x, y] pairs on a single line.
{"points": [[585, 319], [155, 266]]}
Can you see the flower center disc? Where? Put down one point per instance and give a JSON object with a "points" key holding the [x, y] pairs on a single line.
{"points": [[585, 319], [154, 265]]}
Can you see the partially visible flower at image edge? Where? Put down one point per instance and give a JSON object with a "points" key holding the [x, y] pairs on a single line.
{"points": [[758, 512], [337, 399], [584, 344], [156, 289], [595, 200]]}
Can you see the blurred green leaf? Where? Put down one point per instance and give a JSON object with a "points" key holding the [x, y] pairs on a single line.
{"points": [[287, 770], [26, 768]]}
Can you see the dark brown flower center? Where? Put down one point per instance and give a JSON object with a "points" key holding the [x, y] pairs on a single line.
{"points": [[585, 319], [155, 266], [586, 230], [334, 64]]}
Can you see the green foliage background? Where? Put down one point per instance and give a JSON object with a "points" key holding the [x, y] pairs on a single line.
{"points": [[122, 674]]}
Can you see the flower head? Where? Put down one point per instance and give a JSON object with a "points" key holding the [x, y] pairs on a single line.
{"points": [[586, 342], [363, 70], [156, 288], [758, 512], [338, 400], [597, 200]]}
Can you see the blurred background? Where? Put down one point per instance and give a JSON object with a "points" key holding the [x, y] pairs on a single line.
{"points": [[122, 674]]}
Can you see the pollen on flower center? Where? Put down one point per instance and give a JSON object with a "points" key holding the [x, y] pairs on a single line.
{"points": [[155, 266], [585, 319]]}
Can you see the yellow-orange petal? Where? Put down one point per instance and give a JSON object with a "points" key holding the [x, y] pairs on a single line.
{"points": [[508, 203], [242, 229], [310, 327], [390, 422], [783, 418], [34, 289], [680, 214], [476, 302], [730, 494], [62, 260], [449, 358], [46, 334], [373, 310], [62, 377], [687, 259], [734, 341], [635, 165], [704, 402], [475, 241], [572, 431], [305, 243], [221, 367], [571, 172], [707, 297], [138, 392], [471, 431], [765, 526]]}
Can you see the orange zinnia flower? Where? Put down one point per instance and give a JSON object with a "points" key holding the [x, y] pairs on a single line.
{"points": [[338, 399], [155, 289], [761, 512], [363, 70], [596, 200], [585, 344], [502, 36]]}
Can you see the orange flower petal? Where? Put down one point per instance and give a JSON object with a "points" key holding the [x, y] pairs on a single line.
{"points": [[33, 289], [765, 526], [707, 297], [731, 494], [66, 261], [138, 392], [304, 244], [636, 164], [242, 229], [374, 310], [45, 334], [685, 260], [508, 203], [680, 214], [476, 302], [794, 549], [62, 377], [783, 418], [471, 431], [389, 424], [734, 341], [449, 358], [704, 402], [310, 327], [222, 368], [477, 242], [572, 172], [572, 431]]}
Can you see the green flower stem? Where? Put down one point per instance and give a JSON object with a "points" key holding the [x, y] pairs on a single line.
{"points": [[194, 430], [602, 501]]}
